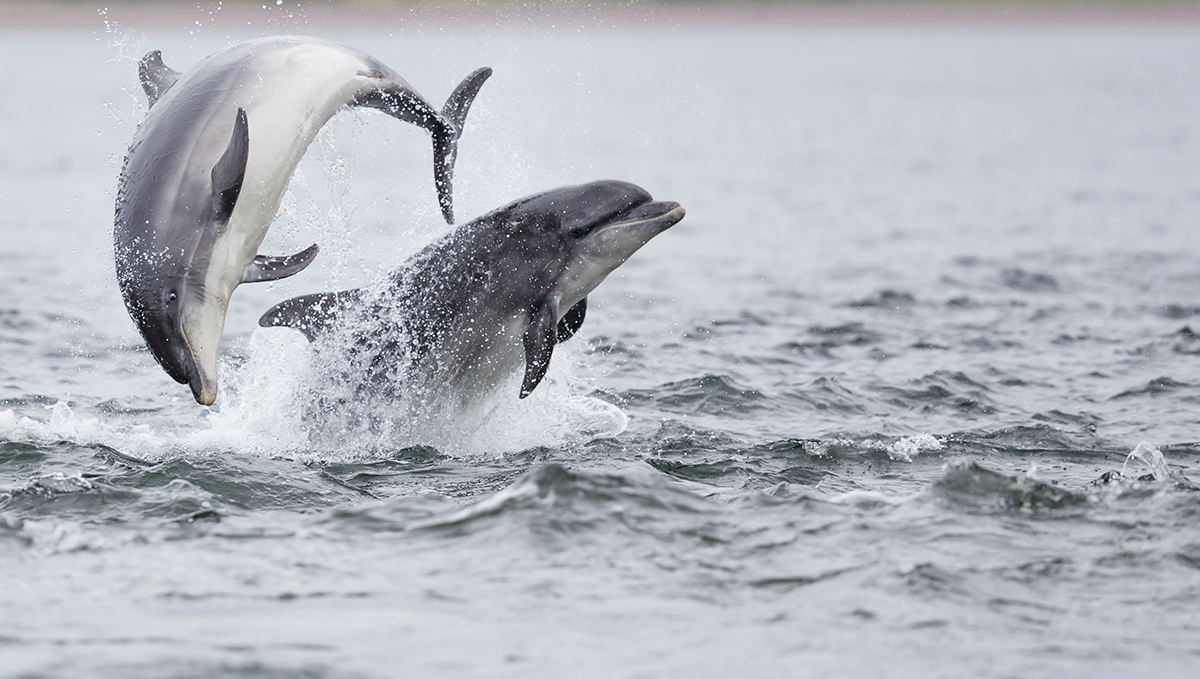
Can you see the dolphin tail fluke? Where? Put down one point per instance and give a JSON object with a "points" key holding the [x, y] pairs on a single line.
{"points": [[445, 139], [456, 107], [310, 314], [156, 77]]}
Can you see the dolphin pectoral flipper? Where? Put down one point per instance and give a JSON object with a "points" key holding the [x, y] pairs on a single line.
{"points": [[264, 268], [230, 171], [570, 323], [156, 77], [310, 314], [539, 345], [445, 141]]}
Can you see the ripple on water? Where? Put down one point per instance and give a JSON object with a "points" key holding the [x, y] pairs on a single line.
{"points": [[708, 394], [826, 394], [941, 390], [1155, 387], [549, 502], [1027, 281], [1025, 439], [885, 299], [825, 339], [971, 487]]}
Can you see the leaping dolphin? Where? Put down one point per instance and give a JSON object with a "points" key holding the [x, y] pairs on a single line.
{"points": [[207, 167], [463, 314]]}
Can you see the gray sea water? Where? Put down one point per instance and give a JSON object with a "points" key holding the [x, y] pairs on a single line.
{"points": [[912, 390]]}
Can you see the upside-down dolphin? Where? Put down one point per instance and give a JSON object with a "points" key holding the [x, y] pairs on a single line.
{"points": [[207, 168], [463, 314]]}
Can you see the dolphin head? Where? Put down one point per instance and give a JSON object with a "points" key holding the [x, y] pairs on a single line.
{"points": [[174, 313], [600, 225]]}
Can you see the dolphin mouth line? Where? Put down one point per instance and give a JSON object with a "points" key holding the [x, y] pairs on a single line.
{"points": [[668, 212]]}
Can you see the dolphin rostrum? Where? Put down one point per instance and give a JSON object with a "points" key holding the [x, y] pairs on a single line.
{"points": [[208, 166], [463, 314]]}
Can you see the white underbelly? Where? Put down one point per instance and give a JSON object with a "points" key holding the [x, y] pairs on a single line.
{"points": [[294, 92]]}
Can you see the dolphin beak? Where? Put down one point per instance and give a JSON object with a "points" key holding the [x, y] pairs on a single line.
{"points": [[203, 338], [618, 240], [661, 215], [671, 217], [204, 390]]}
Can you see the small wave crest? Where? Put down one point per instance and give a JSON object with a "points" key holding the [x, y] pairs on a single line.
{"points": [[549, 500]]}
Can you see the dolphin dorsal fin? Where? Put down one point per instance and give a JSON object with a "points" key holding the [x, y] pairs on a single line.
{"points": [[264, 268], [310, 314], [230, 171], [539, 344], [156, 76], [571, 321]]}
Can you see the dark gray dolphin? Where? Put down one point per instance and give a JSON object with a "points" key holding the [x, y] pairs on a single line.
{"points": [[207, 168], [464, 313]]}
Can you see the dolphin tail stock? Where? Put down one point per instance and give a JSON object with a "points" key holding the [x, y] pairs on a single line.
{"points": [[445, 138], [310, 314], [155, 76]]}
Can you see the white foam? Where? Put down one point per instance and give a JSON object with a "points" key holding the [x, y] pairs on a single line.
{"points": [[908, 447], [265, 405]]}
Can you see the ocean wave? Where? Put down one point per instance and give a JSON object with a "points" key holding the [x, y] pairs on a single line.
{"points": [[710, 394], [971, 487]]}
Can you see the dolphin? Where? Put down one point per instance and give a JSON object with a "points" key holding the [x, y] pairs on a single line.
{"points": [[467, 311], [207, 168]]}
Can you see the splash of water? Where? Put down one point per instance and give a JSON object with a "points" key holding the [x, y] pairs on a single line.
{"points": [[1148, 454], [290, 400]]}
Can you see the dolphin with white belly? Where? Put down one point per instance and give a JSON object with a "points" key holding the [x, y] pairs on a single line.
{"points": [[209, 164], [501, 291]]}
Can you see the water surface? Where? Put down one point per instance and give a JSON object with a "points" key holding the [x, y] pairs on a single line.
{"points": [[866, 411]]}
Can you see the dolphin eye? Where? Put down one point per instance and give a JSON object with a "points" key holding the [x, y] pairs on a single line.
{"points": [[172, 296]]}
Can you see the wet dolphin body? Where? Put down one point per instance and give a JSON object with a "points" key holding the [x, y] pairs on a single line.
{"points": [[207, 168], [464, 313]]}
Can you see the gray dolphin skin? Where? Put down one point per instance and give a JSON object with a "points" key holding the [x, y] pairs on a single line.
{"points": [[464, 313], [207, 168]]}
